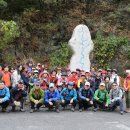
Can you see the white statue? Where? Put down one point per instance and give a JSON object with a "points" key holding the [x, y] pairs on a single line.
{"points": [[81, 44]]}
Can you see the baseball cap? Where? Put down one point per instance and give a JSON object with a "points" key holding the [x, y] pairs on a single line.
{"points": [[51, 85], [102, 84], [20, 81], [71, 83], [87, 83], [37, 83]]}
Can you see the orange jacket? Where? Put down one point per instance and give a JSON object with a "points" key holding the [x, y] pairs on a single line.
{"points": [[7, 78], [128, 84]]}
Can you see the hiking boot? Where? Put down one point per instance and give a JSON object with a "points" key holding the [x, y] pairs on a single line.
{"points": [[80, 110], [13, 109], [72, 109], [57, 110], [95, 109], [22, 110], [31, 111], [5, 110], [121, 112], [63, 108]]}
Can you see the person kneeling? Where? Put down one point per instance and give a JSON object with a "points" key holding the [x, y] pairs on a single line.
{"points": [[116, 95], [69, 96], [101, 98], [36, 96], [18, 96], [4, 96], [52, 98], [85, 97]]}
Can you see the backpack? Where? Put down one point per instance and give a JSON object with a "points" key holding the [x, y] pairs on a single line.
{"points": [[120, 88]]}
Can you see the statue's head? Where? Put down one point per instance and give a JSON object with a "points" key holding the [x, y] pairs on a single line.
{"points": [[81, 38]]}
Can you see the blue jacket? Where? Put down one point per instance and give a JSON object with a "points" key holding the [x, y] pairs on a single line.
{"points": [[83, 94], [4, 94], [68, 95], [54, 96]]}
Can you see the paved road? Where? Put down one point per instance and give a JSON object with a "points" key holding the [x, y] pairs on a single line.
{"points": [[66, 120]]}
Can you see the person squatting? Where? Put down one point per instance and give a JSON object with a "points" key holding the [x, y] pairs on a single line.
{"points": [[60, 89]]}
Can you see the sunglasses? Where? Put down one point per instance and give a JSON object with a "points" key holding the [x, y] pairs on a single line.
{"points": [[114, 85]]}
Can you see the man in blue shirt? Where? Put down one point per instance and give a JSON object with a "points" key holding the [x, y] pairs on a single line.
{"points": [[4, 96], [69, 96], [52, 98], [86, 95]]}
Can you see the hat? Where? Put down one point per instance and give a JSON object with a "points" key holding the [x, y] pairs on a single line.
{"points": [[20, 81], [71, 83], [127, 71], [102, 84], [58, 68], [35, 71], [87, 71], [45, 72], [39, 64], [108, 69], [83, 74], [78, 69], [37, 83], [73, 72], [51, 85], [100, 70], [87, 83], [114, 70]]}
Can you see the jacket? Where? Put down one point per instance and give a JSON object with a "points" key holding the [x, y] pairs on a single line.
{"points": [[34, 96], [83, 94], [17, 95], [4, 94], [52, 95], [67, 94], [102, 95]]}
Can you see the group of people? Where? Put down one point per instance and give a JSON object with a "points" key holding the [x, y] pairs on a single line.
{"points": [[59, 88]]}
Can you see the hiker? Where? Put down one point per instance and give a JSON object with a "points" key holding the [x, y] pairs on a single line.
{"points": [[97, 82], [36, 97], [116, 96], [53, 78], [85, 97], [52, 98], [18, 96], [74, 78], [82, 80], [7, 77], [127, 90], [4, 96], [108, 84], [69, 96], [44, 80], [114, 77], [16, 76], [62, 82], [101, 98]]}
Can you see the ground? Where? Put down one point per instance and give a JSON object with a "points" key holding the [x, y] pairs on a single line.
{"points": [[65, 120]]}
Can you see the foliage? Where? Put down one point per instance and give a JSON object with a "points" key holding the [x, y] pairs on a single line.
{"points": [[8, 30], [61, 57], [107, 48], [3, 4]]}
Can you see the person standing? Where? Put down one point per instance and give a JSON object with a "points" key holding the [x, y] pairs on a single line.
{"points": [[127, 90]]}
